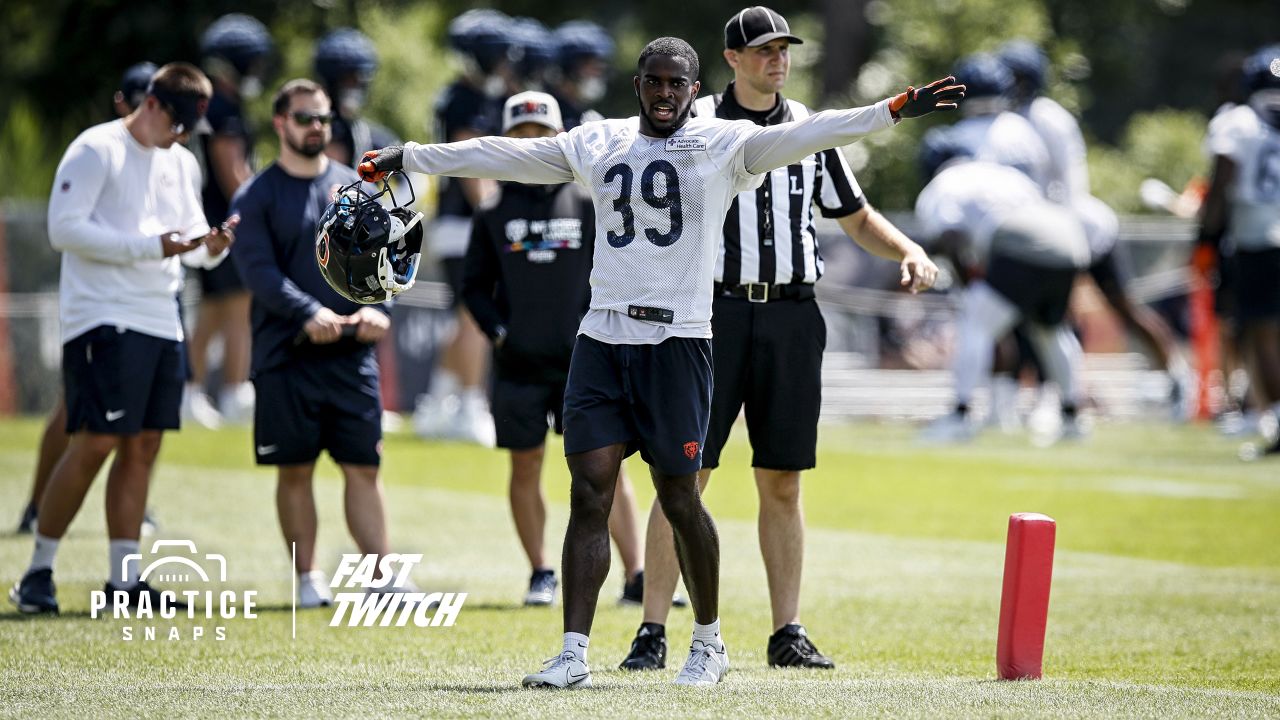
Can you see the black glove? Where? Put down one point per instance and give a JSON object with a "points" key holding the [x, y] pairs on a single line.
{"points": [[377, 163], [941, 94]]}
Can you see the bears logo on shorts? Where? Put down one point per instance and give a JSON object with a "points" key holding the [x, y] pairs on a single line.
{"points": [[691, 450]]}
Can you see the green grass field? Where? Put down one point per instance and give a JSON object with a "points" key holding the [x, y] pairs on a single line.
{"points": [[1166, 596]]}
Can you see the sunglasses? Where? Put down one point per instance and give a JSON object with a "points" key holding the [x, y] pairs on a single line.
{"points": [[306, 118]]}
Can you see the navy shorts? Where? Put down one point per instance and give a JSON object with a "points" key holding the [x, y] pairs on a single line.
{"points": [[331, 404], [1040, 293], [523, 411], [121, 382], [1113, 271], [771, 362], [1258, 286], [224, 279], [654, 398]]}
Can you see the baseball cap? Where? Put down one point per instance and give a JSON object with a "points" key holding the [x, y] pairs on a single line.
{"points": [[755, 26], [531, 107]]}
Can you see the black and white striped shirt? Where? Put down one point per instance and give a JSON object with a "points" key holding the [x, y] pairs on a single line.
{"points": [[768, 232]]}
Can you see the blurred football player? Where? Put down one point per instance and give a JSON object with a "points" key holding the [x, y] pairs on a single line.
{"points": [[1242, 208], [1067, 183], [235, 51], [584, 52], [345, 61], [455, 407]]}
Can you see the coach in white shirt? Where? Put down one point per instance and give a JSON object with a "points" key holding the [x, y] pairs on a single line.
{"points": [[122, 211]]}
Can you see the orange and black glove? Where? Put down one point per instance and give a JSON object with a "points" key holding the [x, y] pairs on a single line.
{"points": [[942, 94], [377, 163]]}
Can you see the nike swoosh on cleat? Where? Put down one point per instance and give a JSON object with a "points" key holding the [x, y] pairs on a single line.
{"points": [[574, 679]]}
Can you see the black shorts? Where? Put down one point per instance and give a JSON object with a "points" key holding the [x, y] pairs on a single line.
{"points": [[1226, 288], [121, 382], [523, 411], [1258, 284], [454, 269], [770, 360], [1040, 293], [221, 280], [321, 404], [654, 398], [1113, 272]]}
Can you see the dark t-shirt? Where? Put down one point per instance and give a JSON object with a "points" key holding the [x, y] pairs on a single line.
{"points": [[226, 119], [462, 108], [528, 270], [359, 136], [275, 253]]}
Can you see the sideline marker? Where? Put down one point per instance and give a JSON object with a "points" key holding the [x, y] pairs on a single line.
{"points": [[1024, 602]]}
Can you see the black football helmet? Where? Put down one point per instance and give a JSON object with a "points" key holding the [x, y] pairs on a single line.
{"points": [[366, 252]]}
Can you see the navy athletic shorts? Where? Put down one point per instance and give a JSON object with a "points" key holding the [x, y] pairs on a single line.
{"points": [[221, 280], [331, 404], [654, 398], [120, 382], [523, 411], [1040, 293], [1258, 284], [771, 362]]}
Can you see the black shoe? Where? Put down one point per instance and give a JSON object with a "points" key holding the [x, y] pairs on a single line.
{"points": [[648, 650], [136, 592], [35, 593], [27, 524], [542, 588], [790, 647], [633, 593]]}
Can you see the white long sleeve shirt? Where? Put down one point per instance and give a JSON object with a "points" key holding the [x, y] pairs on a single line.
{"points": [[112, 199], [660, 203]]}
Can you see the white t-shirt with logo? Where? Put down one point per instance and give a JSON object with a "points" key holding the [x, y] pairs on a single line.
{"points": [[112, 199], [1254, 198], [660, 203]]}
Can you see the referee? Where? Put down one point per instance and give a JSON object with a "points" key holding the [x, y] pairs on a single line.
{"points": [[769, 334]]}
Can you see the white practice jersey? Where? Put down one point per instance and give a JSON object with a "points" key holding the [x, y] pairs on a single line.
{"points": [[1254, 198], [112, 199], [973, 197], [1005, 138], [660, 203], [1068, 167]]}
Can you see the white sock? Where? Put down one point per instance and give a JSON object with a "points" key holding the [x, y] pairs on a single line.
{"points": [[42, 556], [123, 576], [709, 633], [576, 643], [444, 384]]}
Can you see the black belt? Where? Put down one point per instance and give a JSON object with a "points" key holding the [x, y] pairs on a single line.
{"points": [[764, 292]]}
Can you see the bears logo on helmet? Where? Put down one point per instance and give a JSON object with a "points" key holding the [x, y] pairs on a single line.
{"points": [[365, 252]]}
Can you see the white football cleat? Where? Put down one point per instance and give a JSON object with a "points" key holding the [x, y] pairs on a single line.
{"points": [[564, 671], [706, 665], [313, 590], [950, 428], [199, 409]]}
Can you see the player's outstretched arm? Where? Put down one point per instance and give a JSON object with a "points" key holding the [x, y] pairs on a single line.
{"points": [[527, 160], [781, 145]]}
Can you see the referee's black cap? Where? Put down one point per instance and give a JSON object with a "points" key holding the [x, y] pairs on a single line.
{"points": [[755, 26]]}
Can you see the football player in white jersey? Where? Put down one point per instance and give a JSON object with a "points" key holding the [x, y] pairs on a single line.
{"points": [[1021, 253], [1067, 183], [1243, 208], [640, 378]]}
